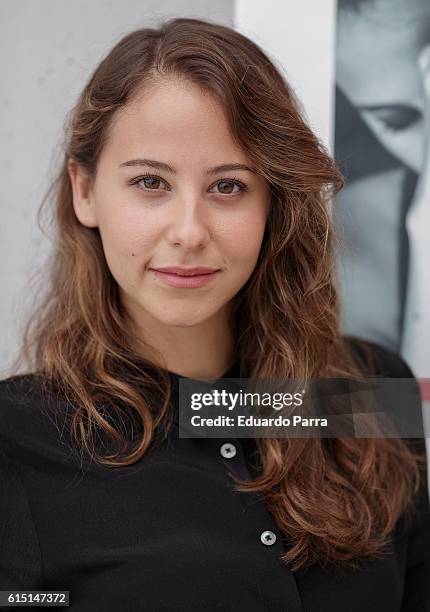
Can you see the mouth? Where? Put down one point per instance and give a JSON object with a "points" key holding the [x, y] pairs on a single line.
{"points": [[185, 279], [178, 271]]}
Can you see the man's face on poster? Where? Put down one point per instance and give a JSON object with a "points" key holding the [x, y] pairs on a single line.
{"points": [[377, 69]]}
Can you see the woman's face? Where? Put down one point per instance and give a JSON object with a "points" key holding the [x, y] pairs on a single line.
{"points": [[185, 213], [377, 69]]}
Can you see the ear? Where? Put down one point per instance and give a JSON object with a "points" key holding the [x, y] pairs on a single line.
{"points": [[83, 201]]}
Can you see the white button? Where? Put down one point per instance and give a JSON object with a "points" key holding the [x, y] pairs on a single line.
{"points": [[228, 450], [268, 538]]}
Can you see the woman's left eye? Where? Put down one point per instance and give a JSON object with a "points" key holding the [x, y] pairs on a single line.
{"points": [[151, 183], [231, 183]]}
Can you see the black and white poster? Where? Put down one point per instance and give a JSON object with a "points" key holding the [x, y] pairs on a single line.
{"points": [[382, 140]]}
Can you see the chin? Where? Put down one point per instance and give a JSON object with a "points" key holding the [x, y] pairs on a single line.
{"points": [[177, 318], [181, 321]]}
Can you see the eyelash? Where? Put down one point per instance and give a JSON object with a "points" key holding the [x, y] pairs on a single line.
{"points": [[231, 181]]}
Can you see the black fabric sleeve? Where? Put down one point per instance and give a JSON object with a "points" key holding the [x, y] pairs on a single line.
{"points": [[20, 557]]}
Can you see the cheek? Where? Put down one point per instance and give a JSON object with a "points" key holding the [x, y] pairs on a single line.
{"points": [[124, 229], [127, 240], [243, 238]]}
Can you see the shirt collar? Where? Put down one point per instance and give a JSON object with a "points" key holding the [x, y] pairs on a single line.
{"points": [[232, 372]]}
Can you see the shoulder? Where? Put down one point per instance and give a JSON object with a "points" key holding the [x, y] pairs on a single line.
{"points": [[377, 359], [20, 395], [30, 416]]}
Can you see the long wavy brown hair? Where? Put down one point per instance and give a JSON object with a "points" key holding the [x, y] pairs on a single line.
{"points": [[334, 499]]}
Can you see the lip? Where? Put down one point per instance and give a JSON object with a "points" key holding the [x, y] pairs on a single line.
{"points": [[184, 281], [182, 271]]}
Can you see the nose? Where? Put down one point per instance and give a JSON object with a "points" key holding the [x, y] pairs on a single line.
{"points": [[188, 224]]}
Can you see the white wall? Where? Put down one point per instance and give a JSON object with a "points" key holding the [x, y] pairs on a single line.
{"points": [[300, 37]]}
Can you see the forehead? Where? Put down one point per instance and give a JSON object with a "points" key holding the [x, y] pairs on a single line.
{"points": [[175, 119]]}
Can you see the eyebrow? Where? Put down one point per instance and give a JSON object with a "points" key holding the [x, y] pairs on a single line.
{"points": [[158, 165]]}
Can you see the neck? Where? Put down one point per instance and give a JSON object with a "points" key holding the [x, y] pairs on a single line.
{"points": [[202, 351]]}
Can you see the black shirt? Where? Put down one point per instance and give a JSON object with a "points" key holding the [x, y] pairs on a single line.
{"points": [[170, 533]]}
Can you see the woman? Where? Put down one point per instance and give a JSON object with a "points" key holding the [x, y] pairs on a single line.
{"points": [[187, 150]]}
